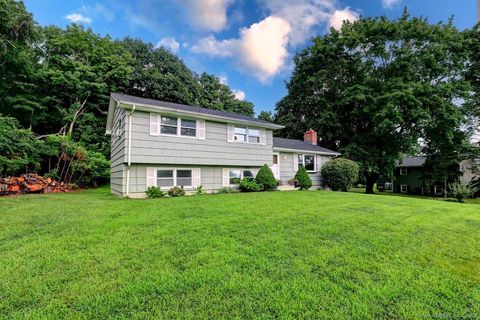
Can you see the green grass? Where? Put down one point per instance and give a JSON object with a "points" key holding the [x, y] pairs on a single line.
{"points": [[322, 255]]}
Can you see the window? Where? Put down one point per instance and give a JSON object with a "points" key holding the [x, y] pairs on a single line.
{"points": [[168, 125], [275, 159], [235, 176], [244, 134], [307, 161], [177, 126], [188, 128], [403, 188], [438, 191], [403, 171], [169, 178], [165, 178], [184, 178]]}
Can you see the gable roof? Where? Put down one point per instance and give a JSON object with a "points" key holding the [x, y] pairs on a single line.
{"points": [[145, 104], [300, 145], [417, 161]]}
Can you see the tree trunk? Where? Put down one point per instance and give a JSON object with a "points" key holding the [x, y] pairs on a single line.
{"points": [[371, 179]]}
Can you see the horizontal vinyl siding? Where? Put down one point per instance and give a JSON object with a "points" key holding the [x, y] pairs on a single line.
{"points": [[117, 154], [214, 150], [287, 171]]}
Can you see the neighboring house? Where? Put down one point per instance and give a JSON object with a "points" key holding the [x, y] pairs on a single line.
{"points": [[156, 143], [409, 176]]}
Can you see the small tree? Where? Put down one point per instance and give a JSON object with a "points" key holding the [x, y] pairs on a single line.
{"points": [[460, 191], [340, 174], [265, 178], [303, 179]]}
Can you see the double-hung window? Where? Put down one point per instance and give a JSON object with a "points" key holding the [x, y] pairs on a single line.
{"points": [[178, 126], [403, 171], [307, 161], [235, 176], [403, 188], [245, 134], [173, 177]]}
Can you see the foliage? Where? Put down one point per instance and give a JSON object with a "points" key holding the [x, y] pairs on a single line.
{"points": [[20, 151], [302, 179], [340, 174], [217, 95], [475, 185], [266, 116], [265, 178], [236, 246], [227, 190], [460, 191], [248, 185], [176, 191], [199, 191], [154, 193], [393, 81]]}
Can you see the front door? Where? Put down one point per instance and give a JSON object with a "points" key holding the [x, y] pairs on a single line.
{"points": [[276, 165]]}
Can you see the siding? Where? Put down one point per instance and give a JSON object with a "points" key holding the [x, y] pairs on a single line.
{"points": [[117, 153], [288, 172], [211, 177], [214, 150]]}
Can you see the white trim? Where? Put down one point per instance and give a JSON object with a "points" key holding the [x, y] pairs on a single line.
{"points": [[247, 135], [226, 175], [295, 162], [174, 169], [277, 175], [403, 173], [401, 188], [314, 161], [306, 151], [179, 127]]}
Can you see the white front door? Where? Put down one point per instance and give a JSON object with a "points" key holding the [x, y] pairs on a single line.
{"points": [[276, 165]]}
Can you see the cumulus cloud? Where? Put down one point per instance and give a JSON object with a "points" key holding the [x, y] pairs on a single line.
{"points": [[390, 3], [169, 43], [261, 48], [208, 15], [339, 16], [78, 18], [239, 94]]}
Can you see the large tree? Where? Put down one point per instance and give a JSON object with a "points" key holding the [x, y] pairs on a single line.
{"points": [[370, 88], [219, 96]]}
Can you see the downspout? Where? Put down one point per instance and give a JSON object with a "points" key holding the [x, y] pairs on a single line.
{"points": [[129, 154]]}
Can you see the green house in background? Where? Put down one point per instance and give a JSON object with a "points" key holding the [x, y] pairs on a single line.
{"points": [[409, 174]]}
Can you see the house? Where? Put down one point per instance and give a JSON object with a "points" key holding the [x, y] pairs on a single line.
{"points": [[157, 143], [410, 172]]}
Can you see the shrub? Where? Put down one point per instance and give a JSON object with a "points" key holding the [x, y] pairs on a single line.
{"points": [[302, 179], [176, 192], [340, 174], [248, 185], [227, 190], [265, 178], [199, 191], [154, 192], [460, 191]]}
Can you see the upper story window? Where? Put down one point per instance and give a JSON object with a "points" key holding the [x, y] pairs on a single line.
{"points": [[403, 171], [307, 161], [245, 134], [176, 126]]}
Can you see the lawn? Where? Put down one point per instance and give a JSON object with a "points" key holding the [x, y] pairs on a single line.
{"points": [[315, 254]]}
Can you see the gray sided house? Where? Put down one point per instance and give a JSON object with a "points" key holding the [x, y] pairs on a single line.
{"points": [[157, 143]]}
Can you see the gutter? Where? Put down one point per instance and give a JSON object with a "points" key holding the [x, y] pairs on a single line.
{"points": [[129, 154], [325, 153]]}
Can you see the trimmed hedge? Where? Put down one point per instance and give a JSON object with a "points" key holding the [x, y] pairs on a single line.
{"points": [[340, 174], [302, 179], [265, 178]]}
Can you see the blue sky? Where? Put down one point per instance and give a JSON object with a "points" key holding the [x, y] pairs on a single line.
{"points": [[249, 44]]}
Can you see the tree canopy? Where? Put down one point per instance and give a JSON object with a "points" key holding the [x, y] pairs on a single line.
{"points": [[376, 86]]}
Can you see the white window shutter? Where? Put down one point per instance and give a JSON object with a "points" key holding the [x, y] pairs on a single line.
{"points": [[154, 124], [151, 177], [197, 177], [318, 159], [295, 162], [226, 177], [263, 136], [201, 129], [230, 133]]}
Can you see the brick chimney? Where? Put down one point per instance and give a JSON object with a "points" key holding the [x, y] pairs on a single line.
{"points": [[310, 136]]}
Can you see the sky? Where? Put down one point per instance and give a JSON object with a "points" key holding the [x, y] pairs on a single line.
{"points": [[248, 44]]}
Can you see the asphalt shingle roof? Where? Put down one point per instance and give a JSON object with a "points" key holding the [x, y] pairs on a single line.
{"points": [[187, 108], [298, 145], [412, 162]]}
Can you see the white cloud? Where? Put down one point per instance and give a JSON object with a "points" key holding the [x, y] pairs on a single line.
{"points": [[339, 16], [390, 3], [208, 15], [169, 43], [223, 78], [239, 94], [78, 18], [261, 48]]}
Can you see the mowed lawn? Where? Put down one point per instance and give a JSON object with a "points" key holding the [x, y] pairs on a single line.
{"points": [[313, 255]]}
